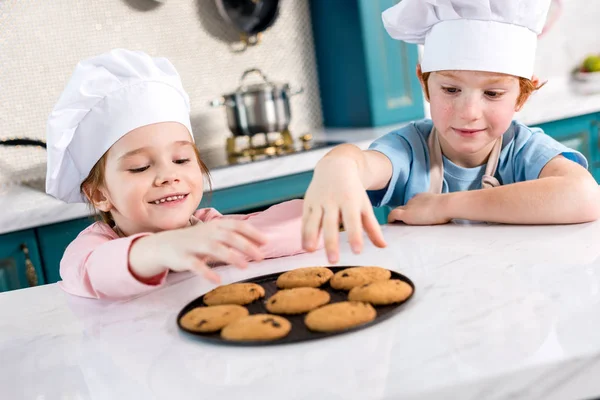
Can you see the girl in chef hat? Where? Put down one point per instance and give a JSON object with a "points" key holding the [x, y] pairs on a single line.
{"points": [[476, 72], [120, 138]]}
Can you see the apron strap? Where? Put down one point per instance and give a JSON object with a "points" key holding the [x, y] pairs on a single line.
{"points": [[436, 164]]}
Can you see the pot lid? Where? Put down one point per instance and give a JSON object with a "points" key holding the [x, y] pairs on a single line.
{"points": [[261, 86]]}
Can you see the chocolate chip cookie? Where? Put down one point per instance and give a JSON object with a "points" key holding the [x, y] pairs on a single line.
{"points": [[304, 277], [297, 300], [212, 318], [339, 316], [382, 292], [357, 276], [235, 293], [257, 327]]}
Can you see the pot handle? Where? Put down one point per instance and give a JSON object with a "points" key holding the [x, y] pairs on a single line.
{"points": [[296, 91], [252, 71], [217, 102]]}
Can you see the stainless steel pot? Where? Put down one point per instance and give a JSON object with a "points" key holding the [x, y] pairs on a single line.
{"points": [[257, 108]]}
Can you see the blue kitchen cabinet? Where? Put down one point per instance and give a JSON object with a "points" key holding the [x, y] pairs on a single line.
{"points": [[54, 239], [258, 195], [595, 146], [365, 77], [20, 265], [581, 134]]}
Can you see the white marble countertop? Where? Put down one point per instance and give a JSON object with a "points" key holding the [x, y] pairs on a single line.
{"points": [[558, 99], [499, 312], [23, 207]]}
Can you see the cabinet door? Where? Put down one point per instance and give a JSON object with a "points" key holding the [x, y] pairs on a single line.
{"points": [[257, 195], [595, 162], [575, 133], [366, 78], [54, 239], [381, 213], [581, 134], [20, 265], [260, 195]]}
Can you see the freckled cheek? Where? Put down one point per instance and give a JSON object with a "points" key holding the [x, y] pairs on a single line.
{"points": [[441, 111], [500, 117]]}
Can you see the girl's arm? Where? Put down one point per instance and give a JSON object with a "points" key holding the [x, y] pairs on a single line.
{"points": [[96, 265], [280, 223]]}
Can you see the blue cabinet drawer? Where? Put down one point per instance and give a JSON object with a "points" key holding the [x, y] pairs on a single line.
{"points": [[54, 239], [579, 133], [20, 265]]}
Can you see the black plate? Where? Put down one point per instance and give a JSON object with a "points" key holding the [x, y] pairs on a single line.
{"points": [[299, 332]]}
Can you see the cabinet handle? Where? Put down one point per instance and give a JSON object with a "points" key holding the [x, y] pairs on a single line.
{"points": [[30, 272]]}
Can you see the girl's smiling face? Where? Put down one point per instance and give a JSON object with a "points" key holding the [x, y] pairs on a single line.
{"points": [[152, 179], [470, 110]]}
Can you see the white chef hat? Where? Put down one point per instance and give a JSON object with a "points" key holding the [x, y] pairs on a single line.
{"points": [[478, 35], [108, 96]]}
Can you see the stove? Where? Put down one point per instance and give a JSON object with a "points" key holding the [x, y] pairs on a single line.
{"points": [[259, 147]]}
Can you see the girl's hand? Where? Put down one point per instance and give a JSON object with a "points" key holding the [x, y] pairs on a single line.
{"points": [[422, 209], [229, 241], [336, 194]]}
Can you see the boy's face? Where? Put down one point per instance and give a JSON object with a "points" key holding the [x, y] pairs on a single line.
{"points": [[471, 109], [153, 181]]}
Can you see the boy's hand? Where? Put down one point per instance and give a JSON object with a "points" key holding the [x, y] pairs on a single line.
{"points": [[336, 195], [423, 209]]}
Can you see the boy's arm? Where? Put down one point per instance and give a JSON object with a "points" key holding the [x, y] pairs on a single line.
{"points": [[374, 168], [337, 194], [564, 193]]}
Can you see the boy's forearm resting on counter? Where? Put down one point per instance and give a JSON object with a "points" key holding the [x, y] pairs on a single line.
{"points": [[571, 198]]}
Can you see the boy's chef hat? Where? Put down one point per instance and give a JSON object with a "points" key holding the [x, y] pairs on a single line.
{"points": [[478, 35], [108, 96]]}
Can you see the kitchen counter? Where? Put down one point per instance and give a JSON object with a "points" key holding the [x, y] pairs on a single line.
{"points": [[30, 206], [499, 312]]}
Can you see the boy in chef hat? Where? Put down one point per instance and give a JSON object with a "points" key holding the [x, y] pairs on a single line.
{"points": [[120, 138], [476, 72]]}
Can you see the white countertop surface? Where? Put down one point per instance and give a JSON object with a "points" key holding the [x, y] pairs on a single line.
{"points": [[499, 312], [23, 207]]}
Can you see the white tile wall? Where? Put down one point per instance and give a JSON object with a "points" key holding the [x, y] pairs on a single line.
{"points": [[42, 40]]}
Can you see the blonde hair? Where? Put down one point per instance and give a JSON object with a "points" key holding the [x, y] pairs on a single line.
{"points": [[526, 86], [95, 179]]}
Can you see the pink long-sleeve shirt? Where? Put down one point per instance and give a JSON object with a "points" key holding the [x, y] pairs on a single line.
{"points": [[96, 263]]}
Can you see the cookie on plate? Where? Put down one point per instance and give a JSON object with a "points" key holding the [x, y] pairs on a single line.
{"points": [[235, 293], [257, 327], [304, 277], [212, 318], [340, 316], [356, 276], [297, 300], [382, 292]]}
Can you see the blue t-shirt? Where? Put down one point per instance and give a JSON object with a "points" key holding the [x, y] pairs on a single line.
{"points": [[525, 152]]}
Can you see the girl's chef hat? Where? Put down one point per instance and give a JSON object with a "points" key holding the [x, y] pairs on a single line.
{"points": [[478, 35], [108, 96]]}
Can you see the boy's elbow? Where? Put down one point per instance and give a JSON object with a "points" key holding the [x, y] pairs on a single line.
{"points": [[589, 204]]}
